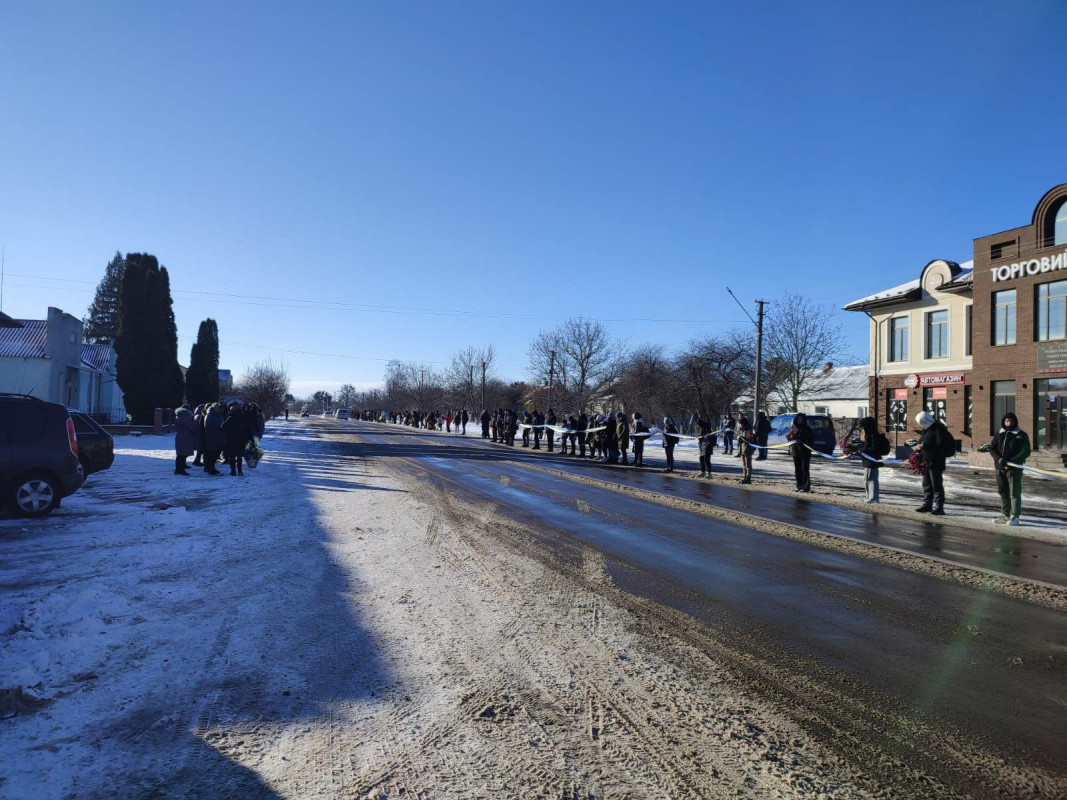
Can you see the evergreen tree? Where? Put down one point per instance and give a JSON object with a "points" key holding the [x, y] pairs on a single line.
{"points": [[202, 377], [147, 341], [101, 323]]}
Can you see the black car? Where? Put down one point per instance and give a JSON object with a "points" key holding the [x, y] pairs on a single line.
{"points": [[38, 455], [96, 448]]}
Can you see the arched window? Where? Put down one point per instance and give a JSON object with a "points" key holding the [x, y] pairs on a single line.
{"points": [[1059, 232]]}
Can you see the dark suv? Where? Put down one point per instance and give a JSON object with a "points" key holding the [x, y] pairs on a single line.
{"points": [[96, 448], [38, 455]]}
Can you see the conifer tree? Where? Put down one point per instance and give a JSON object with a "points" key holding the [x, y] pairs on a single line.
{"points": [[202, 377], [101, 322], [147, 341]]}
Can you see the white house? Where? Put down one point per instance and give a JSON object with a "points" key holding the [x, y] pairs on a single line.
{"points": [[46, 359], [837, 391]]}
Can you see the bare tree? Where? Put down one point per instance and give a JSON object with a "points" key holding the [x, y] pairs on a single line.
{"points": [[346, 395], [647, 382], [464, 376], [584, 360], [801, 337], [266, 384]]}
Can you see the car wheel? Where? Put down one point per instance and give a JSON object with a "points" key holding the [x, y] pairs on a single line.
{"points": [[34, 495]]}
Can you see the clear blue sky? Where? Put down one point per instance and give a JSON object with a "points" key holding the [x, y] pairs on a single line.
{"points": [[526, 162]]}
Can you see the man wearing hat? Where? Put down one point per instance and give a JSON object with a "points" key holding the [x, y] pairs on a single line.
{"points": [[937, 445], [1010, 445]]}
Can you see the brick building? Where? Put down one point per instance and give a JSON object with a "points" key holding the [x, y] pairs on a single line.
{"points": [[973, 341]]}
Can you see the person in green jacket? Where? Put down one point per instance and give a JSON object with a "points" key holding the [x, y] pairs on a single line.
{"points": [[1011, 445]]}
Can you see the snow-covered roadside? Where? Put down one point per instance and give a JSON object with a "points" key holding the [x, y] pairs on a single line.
{"points": [[328, 628]]}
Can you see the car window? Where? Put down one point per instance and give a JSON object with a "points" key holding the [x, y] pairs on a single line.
{"points": [[23, 421], [81, 424], [784, 422], [818, 422]]}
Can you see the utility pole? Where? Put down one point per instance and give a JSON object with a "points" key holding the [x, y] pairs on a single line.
{"points": [[759, 361], [551, 375], [483, 386]]}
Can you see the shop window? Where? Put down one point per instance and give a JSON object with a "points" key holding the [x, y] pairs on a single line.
{"points": [[898, 339], [1004, 317], [1051, 311], [937, 334], [969, 319], [1003, 250], [1003, 402]]}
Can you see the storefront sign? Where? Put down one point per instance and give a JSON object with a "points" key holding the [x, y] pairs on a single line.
{"points": [[941, 380], [1051, 358], [900, 394], [911, 381], [939, 394], [1035, 266]]}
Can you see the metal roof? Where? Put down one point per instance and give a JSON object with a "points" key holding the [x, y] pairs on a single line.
{"points": [[97, 356], [27, 341]]}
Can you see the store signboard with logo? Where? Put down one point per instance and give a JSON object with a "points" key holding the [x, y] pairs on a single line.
{"points": [[939, 393], [1051, 358], [900, 394], [940, 379]]}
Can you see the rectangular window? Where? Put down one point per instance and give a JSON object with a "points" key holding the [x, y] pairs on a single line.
{"points": [[1003, 402], [1052, 311], [937, 334], [968, 410], [898, 339], [969, 318], [1004, 317], [1002, 250]]}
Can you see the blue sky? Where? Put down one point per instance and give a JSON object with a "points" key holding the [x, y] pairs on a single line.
{"points": [[515, 163]]}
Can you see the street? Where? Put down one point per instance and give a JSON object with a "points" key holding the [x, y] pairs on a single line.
{"points": [[384, 612]]}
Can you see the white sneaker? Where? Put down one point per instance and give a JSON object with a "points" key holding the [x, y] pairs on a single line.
{"points": [[1013, 522]]}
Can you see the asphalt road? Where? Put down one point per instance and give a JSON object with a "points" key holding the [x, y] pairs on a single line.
{"points": [[911, 662]]}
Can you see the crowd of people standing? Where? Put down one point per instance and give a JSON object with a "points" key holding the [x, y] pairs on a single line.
{"points": [[214, 432]]}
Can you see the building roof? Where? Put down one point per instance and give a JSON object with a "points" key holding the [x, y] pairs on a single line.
{"points": [[7, 322], [912, 290], [840, 383], [97, 356], [27, 341]]}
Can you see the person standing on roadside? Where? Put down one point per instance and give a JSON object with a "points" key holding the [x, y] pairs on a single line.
{"points": [[235, 435], [580, 426], [803, 440], [198, 418], [745, 440], [875, 445], [763, 431], [622, 435], [669, 442], [640, 427], [936, 445], [213, 438], [729, 425], [538, 422], [186, 438], [486, 418], [464, 418], [550, 434], [1011, 445], [707, 445]]}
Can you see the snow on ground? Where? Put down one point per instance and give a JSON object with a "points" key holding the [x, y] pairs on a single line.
{"points": [[326, 628]]}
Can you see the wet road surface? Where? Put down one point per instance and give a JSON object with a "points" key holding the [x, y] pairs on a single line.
{"points": [[989, 666]]}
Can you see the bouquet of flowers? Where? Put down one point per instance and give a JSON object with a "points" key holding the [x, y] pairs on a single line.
{"points": [[917, 463], [253, 453], [849, 446]]}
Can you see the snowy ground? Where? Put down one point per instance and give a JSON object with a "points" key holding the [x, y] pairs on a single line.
{"points": [[325, 627]]}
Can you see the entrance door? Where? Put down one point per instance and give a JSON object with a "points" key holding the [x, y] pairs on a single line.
{"points": [[1051, 400]]}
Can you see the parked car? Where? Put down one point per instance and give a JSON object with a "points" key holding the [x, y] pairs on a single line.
{"points": [[305, 413], [822, 429], [96, 448], [342, 413], [38, 455]]}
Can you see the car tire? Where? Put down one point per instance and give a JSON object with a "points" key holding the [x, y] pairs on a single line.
{"points": [[34, 494]]}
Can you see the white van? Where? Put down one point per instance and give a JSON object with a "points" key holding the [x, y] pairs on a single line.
{"points": [[342, 413]]}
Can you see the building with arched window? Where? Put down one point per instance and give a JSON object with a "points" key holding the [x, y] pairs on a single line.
{"points": [[973, 341]]}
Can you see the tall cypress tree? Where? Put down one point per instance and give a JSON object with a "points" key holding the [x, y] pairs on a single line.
{"points": [[147, 342], [202, 377], [101, 322]]}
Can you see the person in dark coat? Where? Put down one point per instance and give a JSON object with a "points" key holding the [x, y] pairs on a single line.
{"points": [[213, 438], [527, 421], [935, 443], [464, 418], [235, 436], [611, 440], [538, 421], [486, 419], [198, 418], [729, 424], [622, 436], [186, 439], [869, 446], [803, 439], [669, 442], [639, 427], [707, 445], [763, 431], [580, 426], [745, 437], [550, 435], [1011, 445]]}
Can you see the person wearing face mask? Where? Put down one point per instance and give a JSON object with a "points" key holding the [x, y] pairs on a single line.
{"points": [[937, 445], [1010, 445]]}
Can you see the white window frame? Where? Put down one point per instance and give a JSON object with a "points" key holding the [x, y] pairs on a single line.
{"points": [[926, 334], [889, 352]]}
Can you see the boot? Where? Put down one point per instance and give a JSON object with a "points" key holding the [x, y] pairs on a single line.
{"points": [[925, 508], [939, 506]]}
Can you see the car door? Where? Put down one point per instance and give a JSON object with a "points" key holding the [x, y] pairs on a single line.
{"points": [[7, 457]]}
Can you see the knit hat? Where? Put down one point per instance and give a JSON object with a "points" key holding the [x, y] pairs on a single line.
{"points": [[924, 419]]}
